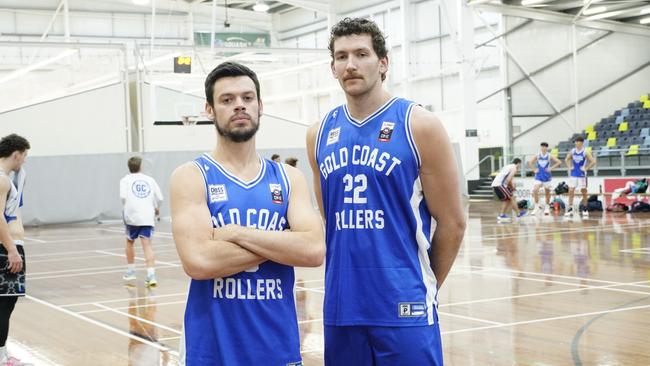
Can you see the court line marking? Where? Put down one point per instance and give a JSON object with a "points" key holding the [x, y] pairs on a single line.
{"points": [[309, 289], [131, 307], [54, 253], [140, 319], [138, 258], [124, 299], [571, 284], [87, 257], [551, 231], [636, 283], [470, 318], [102, 325], [36, 240], [532, 295], [162, 339], [310, 321], [137, 267], [113, 230], [562, 317], [82, 239]]}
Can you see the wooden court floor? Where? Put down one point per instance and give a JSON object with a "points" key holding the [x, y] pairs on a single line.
{"points": [[541, 291]]}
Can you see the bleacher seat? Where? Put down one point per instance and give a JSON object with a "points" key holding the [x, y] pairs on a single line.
{"points": [[646, 142], [623, 126], [645, 132], [633, 150], [643, 98], [591, 136], [611, 141], [619, 119], [554, 151]]}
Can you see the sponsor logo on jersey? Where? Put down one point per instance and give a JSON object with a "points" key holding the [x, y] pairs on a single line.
{"points": [[276, 193], [299, 363], [412, 309], [386, 131], [218, 193], [333, 136]]}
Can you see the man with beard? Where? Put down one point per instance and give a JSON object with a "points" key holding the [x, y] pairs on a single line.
{"points": [[240, 224]]}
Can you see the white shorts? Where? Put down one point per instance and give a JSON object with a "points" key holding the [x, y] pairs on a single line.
{"points": [[545, 185], [578, 182]]}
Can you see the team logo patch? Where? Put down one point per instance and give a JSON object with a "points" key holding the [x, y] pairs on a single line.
{"points": [[412, 309], [333, 136], [218, 193], [276, 193], [140, 189], [386, 131]]}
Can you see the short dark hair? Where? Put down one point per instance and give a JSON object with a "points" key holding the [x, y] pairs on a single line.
{"points": [[134, 164], [579, 138], [228, 69], [11, 143], [291, 161], [274, 156], [516, 161], [545, 144], [358, 26]]}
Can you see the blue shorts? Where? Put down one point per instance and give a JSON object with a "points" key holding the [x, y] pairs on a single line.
{"points": [[383, 346], [134, 232]]}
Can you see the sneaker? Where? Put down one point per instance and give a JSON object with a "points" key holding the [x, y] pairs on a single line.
{"points": [[522, 213], [534, 211], [503, 218], [151, 281], [547, 211], [129, 275], [13, 361], [585, 214], [569, 212]]}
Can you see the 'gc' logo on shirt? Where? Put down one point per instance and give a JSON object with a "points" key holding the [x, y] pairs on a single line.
{"points": [[141, 189]]}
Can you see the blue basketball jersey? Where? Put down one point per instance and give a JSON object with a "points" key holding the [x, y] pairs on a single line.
{"points": [[543, 162], [579, 158], [248, 318], [378, 227]]}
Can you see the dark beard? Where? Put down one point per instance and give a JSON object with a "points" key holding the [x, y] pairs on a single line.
{"points": [[239, 135]]}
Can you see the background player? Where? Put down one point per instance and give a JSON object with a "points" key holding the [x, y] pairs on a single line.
{"points": [[141, 198], [579, 161], [504, 189], [541, 165]]}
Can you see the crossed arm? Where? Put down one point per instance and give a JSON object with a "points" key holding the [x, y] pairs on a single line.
{"points": [[212, 253]]}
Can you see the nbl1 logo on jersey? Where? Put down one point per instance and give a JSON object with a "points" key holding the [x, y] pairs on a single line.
{"points": [[386, 131], [140, 189], [218, 193], [276, 193]]}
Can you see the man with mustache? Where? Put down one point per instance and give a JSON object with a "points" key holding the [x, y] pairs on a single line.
{"points": [[383, 168], [240, 224]]}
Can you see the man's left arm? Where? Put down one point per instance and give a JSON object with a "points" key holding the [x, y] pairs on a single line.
{"points": [[302, 245], [591, 162], [441, 187], [556, 163]]}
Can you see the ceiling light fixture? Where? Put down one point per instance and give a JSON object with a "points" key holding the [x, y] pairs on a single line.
{"points": [[595, 10], [645, 20], [531, 2], [261, 6]]}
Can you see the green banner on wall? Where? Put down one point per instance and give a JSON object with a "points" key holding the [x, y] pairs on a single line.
{"points": [[233, 39]]}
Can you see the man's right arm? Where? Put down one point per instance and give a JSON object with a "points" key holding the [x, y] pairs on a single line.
{"points": [[202, 257], [311, 155]]}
